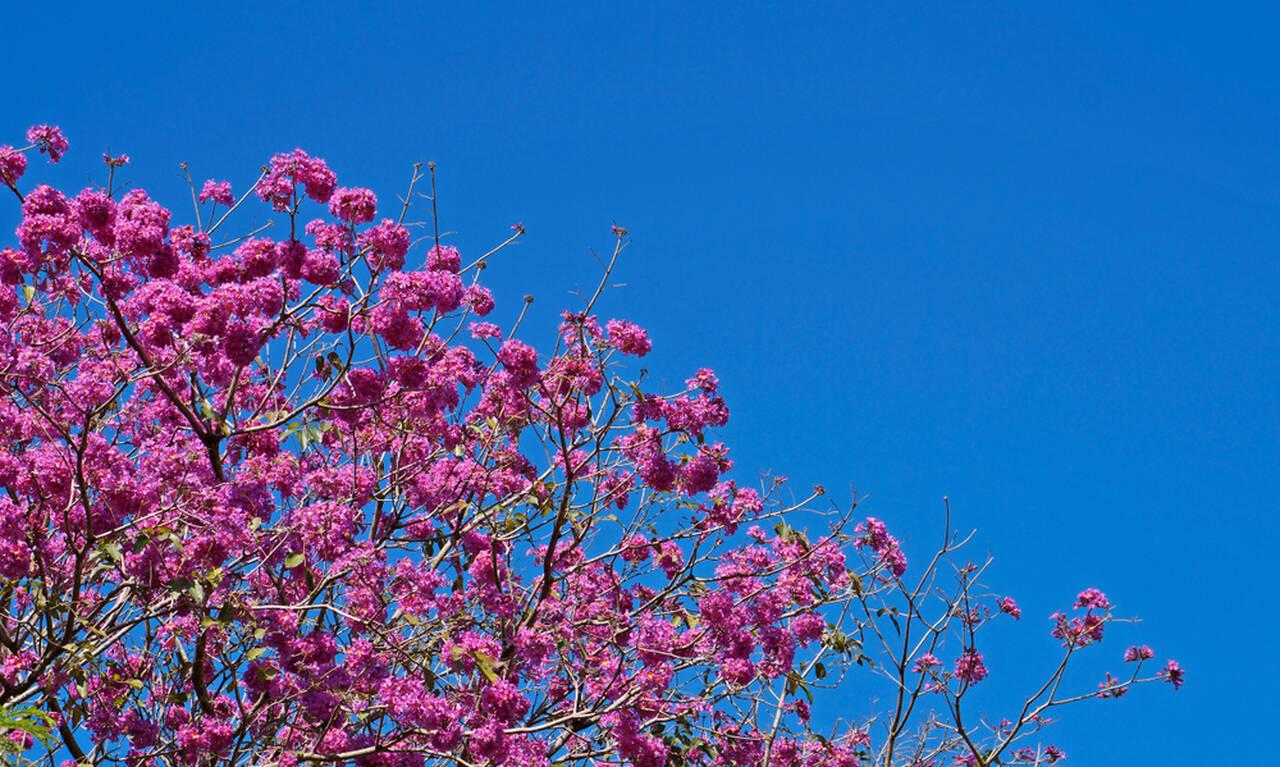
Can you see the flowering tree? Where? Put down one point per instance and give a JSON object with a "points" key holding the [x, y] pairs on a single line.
{"points": [[272, 501]]}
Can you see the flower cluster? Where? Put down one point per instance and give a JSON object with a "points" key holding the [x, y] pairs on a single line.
{"points": [[875, 536], [1083, 629], [268, 502]]}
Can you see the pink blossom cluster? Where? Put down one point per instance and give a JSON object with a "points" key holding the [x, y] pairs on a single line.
{"points": [[875, 536], [286, 499]]}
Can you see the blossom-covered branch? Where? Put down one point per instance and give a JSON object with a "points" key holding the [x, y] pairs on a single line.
{"points": [[276, 501]]}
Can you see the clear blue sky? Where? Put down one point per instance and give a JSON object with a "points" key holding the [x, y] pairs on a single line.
{"points": [[1025, 257]]}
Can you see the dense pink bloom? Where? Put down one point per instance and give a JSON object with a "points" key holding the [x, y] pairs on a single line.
{"points": [[485, 330], [877, 538], [635, 549], [15, 552], [266, 496], [444, 257], [49, 139], [12, 164], [970, 668], [331, 237], [289, 169], [48, 225], [424, 290], [520, 360], [1138, 654], [387, 242], [479, 300], [701, 472], [670, 558], [217, 192], [808, 627], [628, 338], [141, 226], [1093, 599], [96, 212], [705, 380], [353, 205]]}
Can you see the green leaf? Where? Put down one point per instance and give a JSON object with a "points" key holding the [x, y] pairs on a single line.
{"points": [[485, 664], [294, 560], [34, 722]]}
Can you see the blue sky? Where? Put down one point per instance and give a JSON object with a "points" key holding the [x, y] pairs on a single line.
{"points": [[1022, 256]]}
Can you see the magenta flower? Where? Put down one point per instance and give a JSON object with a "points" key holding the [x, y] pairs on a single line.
{"points": [[628, 338], [1010, 607], [49, 140], [924, 663], [1173, 673], [217, 192], [1093, 599], [353, 206], [970, 667], [12, 164]]}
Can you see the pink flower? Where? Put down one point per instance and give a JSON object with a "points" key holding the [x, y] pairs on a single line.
{"points": [[49, 225], [1111, 687], [924, 663], [354, 205], [1078, 631], [444, 257], [628, 338], [96, 212], [1138, 653], [876, 537], [738, 671], [808, 627], [15, 553], [521, 360], [702, 472], [503, 701], [218, 192], [1093, 599], [480, 330], [705, 380], [635, 549], [423, 291], [970, 668], [12, 164], [1173, 673], [49, 139], [141, 227], [287, 170], [1010, 607], [479, 300], [670, 558]]}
